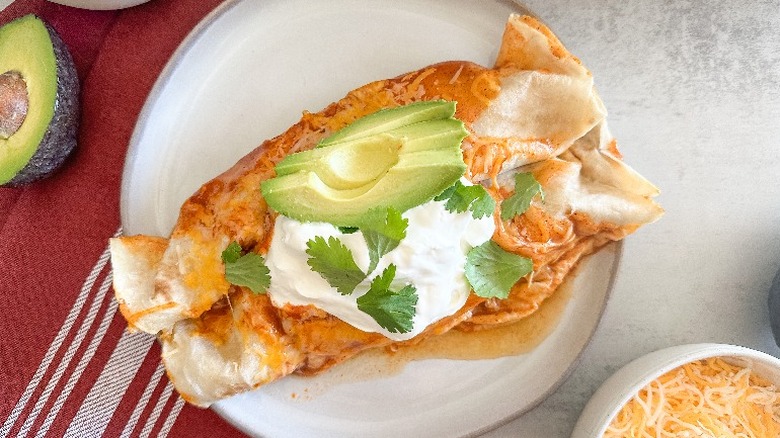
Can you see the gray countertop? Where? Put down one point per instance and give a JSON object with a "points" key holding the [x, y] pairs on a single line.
{"points": [[693, 94]]}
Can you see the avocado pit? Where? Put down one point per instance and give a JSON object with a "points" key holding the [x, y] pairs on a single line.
{"points": [[14, 103]]}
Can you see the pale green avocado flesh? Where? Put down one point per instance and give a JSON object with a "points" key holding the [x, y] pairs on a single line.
{"points": [[388, 119], [409, 155], [344, 165], [39, 116]]}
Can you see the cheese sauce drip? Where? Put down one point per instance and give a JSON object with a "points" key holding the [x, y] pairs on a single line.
{"points": [[707, 398], [431, 257]]}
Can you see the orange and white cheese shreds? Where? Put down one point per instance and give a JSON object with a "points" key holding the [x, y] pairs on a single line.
{"points": [[708, 398]]}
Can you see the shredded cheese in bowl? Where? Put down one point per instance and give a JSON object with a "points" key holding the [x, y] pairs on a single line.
{"points": [[705, 398]]}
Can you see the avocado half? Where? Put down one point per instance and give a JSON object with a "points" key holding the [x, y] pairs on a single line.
{"points": [[39, 101]]}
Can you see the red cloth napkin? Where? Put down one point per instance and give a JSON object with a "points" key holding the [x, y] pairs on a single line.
{"points": [[69, 367]]}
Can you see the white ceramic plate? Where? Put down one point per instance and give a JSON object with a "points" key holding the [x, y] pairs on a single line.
{"points": [[244, 75]]}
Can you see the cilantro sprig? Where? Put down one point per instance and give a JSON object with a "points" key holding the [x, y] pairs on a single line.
{"points": [[492, 271], [247, 270], [526, 187], [461, 197], [384, 236], [335, 263], [394, 310]]}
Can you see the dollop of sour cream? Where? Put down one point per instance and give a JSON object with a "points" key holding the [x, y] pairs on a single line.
{"points": [[432, 257]]}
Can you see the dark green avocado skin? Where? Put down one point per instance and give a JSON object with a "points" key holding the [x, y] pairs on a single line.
{"points": [[61, 136], [774, 307]]}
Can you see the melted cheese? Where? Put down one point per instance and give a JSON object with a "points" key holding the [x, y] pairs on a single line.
{"points": [[707, 398]]}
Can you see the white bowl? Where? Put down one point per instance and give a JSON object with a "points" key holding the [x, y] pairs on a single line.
{"points": [[621, 386], [100, 4]]}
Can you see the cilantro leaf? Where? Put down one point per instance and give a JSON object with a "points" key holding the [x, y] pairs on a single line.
{"points": [[247, 270], [384, 236], [492, 271], [447, 193], [334, 262], [390, 224], [393, 310], [460, 198], [348, 230], [526, 187], [484, 205], [231, 253]]}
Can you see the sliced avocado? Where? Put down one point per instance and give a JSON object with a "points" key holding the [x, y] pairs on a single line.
{"points": [[430, 134], [388, 119], [344, 165], [39, 108], [342, 183], [339, 158], [414, 180]]}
